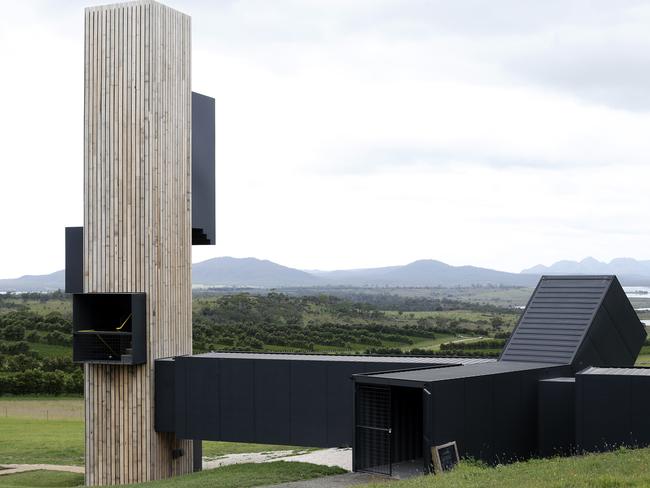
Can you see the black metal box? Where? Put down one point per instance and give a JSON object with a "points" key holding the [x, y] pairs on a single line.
{"points": [[74, 259], [611, 408], [203, 226], [109, 328]]}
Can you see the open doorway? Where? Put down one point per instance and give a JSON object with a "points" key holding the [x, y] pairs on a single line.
{"points": [[388, 430]]}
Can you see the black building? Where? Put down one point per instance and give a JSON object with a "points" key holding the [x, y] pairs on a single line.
{"points": [[292, 399], [530, 402]]}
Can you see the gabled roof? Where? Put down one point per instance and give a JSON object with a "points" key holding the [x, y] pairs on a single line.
{"points": [[577, 320]]}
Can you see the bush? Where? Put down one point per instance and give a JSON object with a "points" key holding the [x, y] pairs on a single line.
{"points": [[21, 362], [58, 338], [35, 381], [15, 348], [13, 333]]}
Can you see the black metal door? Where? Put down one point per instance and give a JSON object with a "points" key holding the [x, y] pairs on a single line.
{"points": [[373, 429], [427, 420]]}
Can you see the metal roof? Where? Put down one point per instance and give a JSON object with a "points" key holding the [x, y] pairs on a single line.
{"points": [[429, 375], [561, 379], [616, 371], [343, 358], [556, 319]]}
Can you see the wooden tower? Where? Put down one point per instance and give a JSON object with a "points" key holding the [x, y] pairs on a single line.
{"points": [[137, 227]]}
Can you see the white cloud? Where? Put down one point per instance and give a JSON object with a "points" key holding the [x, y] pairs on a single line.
{"points": [[361, 133]]}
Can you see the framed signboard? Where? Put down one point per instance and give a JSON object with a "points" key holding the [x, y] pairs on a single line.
{"points": [[444, 457]]}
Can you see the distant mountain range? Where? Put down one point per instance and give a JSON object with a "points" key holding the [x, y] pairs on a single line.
{"points": [[49, 282], [252, 272], [627, 269], [426, 272]]}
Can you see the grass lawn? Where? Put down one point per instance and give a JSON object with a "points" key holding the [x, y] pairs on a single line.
{"points": [[41, 429], [215, 449], [51, 350], [63, 305], [41, 479], [48, 350], [247, 475], [643, 359], [622, 468], [434, 344], [31, 441], [236, 476]]}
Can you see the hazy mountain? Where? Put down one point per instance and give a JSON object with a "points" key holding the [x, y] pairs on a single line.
{"points": [[249, 272], [426, 272], [49, 282], [627, 269], [235, 272]]}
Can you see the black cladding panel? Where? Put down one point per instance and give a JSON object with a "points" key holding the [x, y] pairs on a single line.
{"points": [[309, 407], [510, 418], [491, 417], [203, 175], [556, 417], [447, 419], [603, 412], [611, 408], [203, 390], [74, 259], [237, 400], [479, 418], [273, 402], [164, 395]]}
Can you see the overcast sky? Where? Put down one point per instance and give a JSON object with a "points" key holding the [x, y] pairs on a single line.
{"points": [[359, 133]]}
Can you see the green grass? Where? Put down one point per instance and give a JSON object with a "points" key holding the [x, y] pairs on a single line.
{"points": [[621, 468], [235, 476], [643, 359], [248, 475], [48, 350], [41, 429], [466, 317], [434, 344], [215, 449], [62, 305], [33, 441], [51, 350], [41, 479]]}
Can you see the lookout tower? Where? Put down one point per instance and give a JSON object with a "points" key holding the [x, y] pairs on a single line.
{"points": [[132, 295]]}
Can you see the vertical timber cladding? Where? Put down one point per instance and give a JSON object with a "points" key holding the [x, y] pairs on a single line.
{"points": [[137, 221]]}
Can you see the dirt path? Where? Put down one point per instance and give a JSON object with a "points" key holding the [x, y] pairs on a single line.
{"points": [[468, 339], [22, 468]]}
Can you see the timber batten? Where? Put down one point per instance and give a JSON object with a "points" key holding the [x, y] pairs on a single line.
{"points": [[137, 222]]}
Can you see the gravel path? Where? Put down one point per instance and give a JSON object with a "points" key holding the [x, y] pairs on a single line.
{"points": [[22, 468], [328, 457], [246, 457]]}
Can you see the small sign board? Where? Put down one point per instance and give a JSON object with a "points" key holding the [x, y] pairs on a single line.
{"points": [[444, 457]]}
